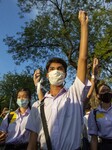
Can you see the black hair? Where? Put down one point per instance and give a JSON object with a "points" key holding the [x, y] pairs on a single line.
{"points": [[56, 60], [103, 84]]}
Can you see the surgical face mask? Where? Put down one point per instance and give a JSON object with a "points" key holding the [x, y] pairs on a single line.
{"points": [[22, 103], [106, 97], [56, 77]]}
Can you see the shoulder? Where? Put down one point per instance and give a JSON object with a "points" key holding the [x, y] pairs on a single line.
{"points": [[35, 108], [36, 104], [79, 85]]}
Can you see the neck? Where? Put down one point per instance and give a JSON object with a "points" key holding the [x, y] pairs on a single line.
{"points": [[105, 105], [54, 90], [22, 110]]}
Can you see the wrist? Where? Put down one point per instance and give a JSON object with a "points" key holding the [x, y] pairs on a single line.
{"points": [[84, 25]]}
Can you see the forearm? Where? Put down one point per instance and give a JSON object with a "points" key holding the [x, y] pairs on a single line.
{"points": [[82, 62], [84, 42], [91, 88], [32, 142], [94, 143], [32, 146], [40, 95], [93, 77]]}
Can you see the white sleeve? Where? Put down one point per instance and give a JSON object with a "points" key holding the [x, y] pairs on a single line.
{"points": [[34, 120], [79, 90]]}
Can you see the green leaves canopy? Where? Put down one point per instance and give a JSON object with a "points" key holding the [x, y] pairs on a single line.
{"points": [[11, 84], [55, 31]]}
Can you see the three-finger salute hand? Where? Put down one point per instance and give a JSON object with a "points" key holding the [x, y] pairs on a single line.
{"points": [[83, 17]]}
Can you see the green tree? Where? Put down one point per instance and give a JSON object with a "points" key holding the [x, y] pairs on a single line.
{"points": [[9, 86], [55, 31]]}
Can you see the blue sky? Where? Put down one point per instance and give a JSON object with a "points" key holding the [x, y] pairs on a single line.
{"points": [[10, 23]]}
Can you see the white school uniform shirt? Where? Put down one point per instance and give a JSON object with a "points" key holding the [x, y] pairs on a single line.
{"points": [[16, 132], [86, 124], [64, 117]]}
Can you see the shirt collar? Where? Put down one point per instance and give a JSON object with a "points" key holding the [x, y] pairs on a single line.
{"points": [[103, 110], [63, 90], [26, 112]]}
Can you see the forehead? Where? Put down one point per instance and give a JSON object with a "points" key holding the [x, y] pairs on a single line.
{"points": [[56, 65], [22, 93]]}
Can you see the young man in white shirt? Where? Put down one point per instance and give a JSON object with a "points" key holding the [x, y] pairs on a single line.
{"points": [[63, 108]]}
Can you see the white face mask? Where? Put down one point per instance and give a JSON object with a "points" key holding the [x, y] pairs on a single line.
{"points": [[56, 77], [22, 103]]}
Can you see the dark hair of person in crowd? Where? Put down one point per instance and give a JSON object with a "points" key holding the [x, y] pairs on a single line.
{"points": [[56, 60], [103, 84]]}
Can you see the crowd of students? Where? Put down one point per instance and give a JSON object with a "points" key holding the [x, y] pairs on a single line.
{"points": [[55, 122]]}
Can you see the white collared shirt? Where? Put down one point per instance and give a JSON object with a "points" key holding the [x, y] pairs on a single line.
{"points": [[64, 117], [16, 132]]}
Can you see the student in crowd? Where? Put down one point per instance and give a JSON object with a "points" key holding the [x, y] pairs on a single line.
{"points": [[63, 108], [87, 106], [12, 132], [3, 114], [100, 120], [93, 82]]}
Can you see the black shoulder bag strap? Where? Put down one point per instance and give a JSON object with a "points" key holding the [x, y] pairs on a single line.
{"points": [[45, 127], [9, 118]]}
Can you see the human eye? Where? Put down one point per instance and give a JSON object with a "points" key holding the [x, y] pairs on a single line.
{"points": [[61, 68], [51, 68]]}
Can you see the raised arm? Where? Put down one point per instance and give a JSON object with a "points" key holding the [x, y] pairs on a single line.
{"points": [[36, 79], [93, 81], [83, 51], [93, 77]]}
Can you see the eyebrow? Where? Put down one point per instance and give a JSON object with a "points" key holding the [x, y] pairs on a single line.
{"points": [[56, 67]]}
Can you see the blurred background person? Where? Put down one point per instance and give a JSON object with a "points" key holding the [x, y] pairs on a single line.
{"points": [[100, 120], [13, 133], [3, 114]]}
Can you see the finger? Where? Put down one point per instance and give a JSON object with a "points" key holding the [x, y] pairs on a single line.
{"points": [[79, 14], [83, 16], [2, 136], [87, 19], [37, 75], [37, 71], [96, 61]]}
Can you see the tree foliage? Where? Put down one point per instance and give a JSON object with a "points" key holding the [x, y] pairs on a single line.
{"points": [[55, 31]]}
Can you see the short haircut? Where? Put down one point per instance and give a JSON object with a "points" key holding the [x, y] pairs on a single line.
{"points": [[56, 60]]}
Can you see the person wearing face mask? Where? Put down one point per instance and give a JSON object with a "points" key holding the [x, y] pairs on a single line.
{"points": [[100, 120], [62, 107], [13, 133]]}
